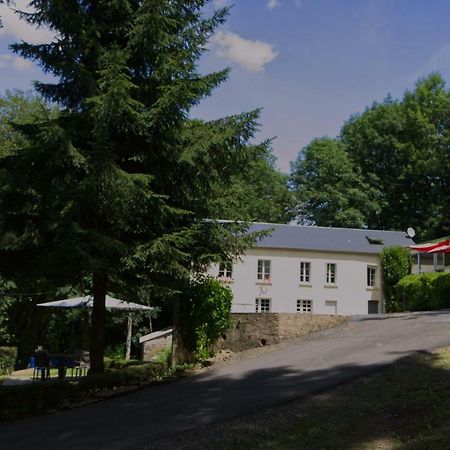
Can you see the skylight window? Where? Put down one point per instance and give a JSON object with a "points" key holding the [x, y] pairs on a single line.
{"points": [[374, 240]]}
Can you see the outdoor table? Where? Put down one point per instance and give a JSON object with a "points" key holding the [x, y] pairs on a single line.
{"points": [[61, 362]]}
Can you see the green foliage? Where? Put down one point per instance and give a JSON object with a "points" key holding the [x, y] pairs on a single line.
{"points": [[387, 170], [205, 314], [395, 264], [163, 357], [423, 292], [8, 356], [116, 186], [115, 352], [329, 188], [401, 150], [19, 401], [18, 108], [259, 193]]}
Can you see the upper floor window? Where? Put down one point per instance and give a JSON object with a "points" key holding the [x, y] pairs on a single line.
{"points": [[263, 270], [305, 272], [371, 276], [331, 273], [262, 305], [226, 269]]}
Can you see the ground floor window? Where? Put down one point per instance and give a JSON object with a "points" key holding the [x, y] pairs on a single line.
{"points": [[373, 307], [262, 305], [304, 306]]}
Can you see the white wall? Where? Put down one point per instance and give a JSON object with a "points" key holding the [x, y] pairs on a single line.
{"points": [[350, 292]]}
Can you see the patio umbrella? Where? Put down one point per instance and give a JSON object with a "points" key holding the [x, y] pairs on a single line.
{"points": [[110, 303]]}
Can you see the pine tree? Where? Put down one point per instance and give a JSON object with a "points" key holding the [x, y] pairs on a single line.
{"points": [[117, 187]]}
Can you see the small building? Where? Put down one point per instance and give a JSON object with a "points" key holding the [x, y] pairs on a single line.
{"points": [[310, 270], [153, 343]]}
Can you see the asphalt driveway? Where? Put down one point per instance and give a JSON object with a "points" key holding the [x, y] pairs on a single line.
{"points": [[261, 380]]}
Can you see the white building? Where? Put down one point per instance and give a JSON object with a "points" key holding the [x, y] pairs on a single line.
{"points": [[310, 270]]}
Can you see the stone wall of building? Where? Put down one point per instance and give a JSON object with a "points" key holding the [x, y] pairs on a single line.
{"points": [[251, 330], [297, 325], [152, 347]]}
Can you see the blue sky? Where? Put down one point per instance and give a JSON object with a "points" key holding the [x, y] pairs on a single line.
{"points": [[309, 64]]}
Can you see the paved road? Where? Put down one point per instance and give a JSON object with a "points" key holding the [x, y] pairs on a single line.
{"points": [[246, 385]]}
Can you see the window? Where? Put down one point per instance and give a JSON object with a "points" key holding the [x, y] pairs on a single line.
{"points": [[262, 305], [374, 240], [371, 276], [331, 273], [226, 270], [304, 306], [305, 271], [264, 270]]}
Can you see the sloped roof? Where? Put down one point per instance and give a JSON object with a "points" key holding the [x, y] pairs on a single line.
{"points": [[349, 240]]}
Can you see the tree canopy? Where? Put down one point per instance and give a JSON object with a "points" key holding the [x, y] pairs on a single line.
{"points": [[116, 187], [388, 169], [328, 186]]}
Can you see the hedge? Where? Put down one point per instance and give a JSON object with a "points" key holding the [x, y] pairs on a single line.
{"points": [[8, 356], [423, 292], [39, 397]]}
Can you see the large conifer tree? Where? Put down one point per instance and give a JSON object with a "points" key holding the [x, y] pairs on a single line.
{"points": [[117, 186]]}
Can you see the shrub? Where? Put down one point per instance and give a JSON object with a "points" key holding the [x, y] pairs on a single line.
{"points": [[205, 314], [37, 398], [395, 264], [421, 292], [8, 356]]}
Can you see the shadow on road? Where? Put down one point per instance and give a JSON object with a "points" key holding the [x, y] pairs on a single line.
{"points": [[405, 406]]}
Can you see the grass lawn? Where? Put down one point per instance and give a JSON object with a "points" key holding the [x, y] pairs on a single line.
{"points": [[406, 406]]}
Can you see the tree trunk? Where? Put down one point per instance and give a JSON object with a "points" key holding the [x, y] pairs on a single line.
{"points": [[129, 331], [98, 324], [181, 354]]}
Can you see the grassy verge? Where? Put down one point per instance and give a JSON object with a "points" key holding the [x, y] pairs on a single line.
{"points": [[406, 406], [38, 398]]}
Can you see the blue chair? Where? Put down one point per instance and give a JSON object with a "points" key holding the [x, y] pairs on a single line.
{"points": [[42, 366]]}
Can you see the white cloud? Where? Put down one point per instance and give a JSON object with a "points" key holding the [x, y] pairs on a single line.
{"points": [[252, 55], [272, 4], [221, 3], [18, 29], [14, 62]]}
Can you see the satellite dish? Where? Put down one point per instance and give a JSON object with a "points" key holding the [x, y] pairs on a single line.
{"points": [[410, 232]]}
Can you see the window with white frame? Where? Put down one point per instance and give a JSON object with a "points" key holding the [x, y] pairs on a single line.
{"points": [[331, 273], [371, 276], [304, 306], [264, 270], [262, 305], [305, 272], [226, 269]]}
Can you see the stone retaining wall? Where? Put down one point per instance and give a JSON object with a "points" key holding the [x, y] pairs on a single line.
{"points": [[255, 330]]}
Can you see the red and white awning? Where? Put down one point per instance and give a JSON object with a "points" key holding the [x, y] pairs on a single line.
{"points": [[442, 246]]}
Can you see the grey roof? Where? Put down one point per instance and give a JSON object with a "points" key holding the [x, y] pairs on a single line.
{"points": [[329, 239]]}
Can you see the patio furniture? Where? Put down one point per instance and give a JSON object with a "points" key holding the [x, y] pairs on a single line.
{"points": [[61, 361], [81, 363], [41, 365]]}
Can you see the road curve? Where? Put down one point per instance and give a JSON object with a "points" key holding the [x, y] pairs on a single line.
{"points": [[261, 380]]}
